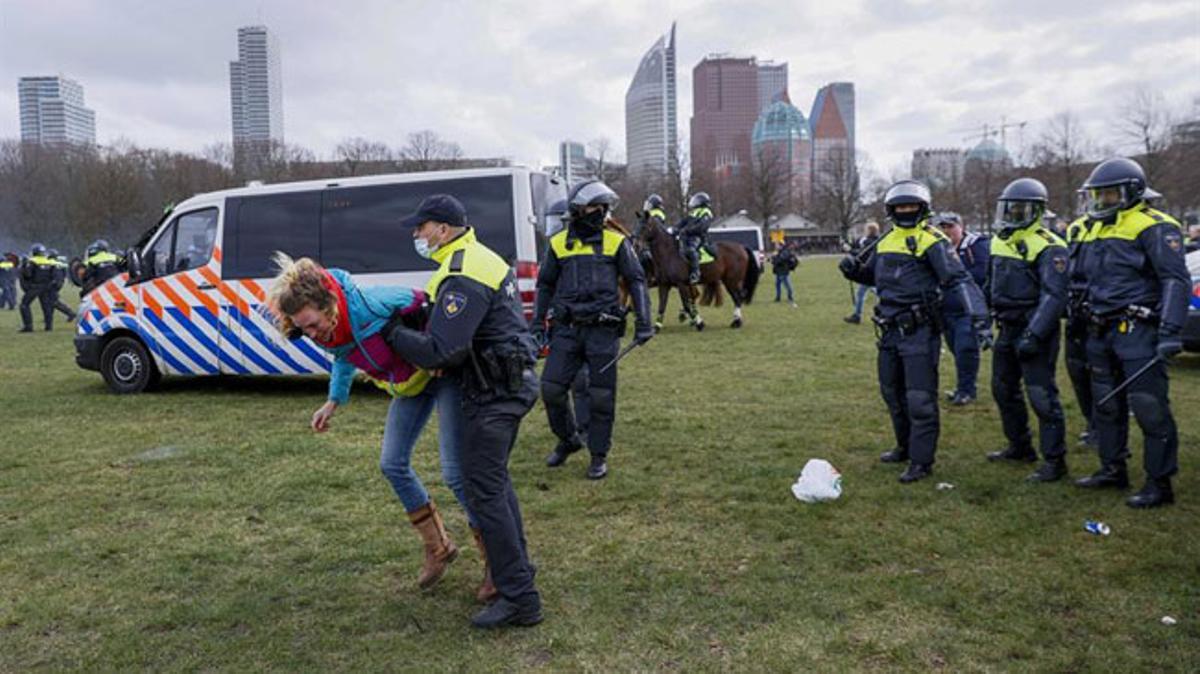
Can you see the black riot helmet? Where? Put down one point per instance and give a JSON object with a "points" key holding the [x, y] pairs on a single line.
{"points": [[52, 252], [907, 192], [97, 246], [584, 197], [700, 199], [652, 202], [1020, 205], [37, 249], [1115, 185]]}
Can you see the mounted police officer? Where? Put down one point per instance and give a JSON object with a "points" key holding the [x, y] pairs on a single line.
{"points": [[693, 232], [101, 264], [577, 288], [912, 267], [477, 332], [972, 250], [37, 283], [1027, 287], [652, 213], [1139, 290]]}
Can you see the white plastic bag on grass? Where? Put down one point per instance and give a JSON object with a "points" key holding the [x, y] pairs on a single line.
{"points": [[819, 481]]}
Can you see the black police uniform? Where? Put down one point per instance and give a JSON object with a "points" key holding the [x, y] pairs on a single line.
{"points": [[98, 268], [37, 283], [477, 332], [1027, 289], [577, 287], [693, 233], [8, 283], [911, 268], [60, 279], [1138, 291], [1080, 235]]}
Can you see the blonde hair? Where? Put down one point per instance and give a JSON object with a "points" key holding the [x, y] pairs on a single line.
{"points": [[298, 284]]}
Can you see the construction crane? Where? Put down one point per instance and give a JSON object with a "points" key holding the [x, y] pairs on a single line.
{"points": [[1001, 129]]}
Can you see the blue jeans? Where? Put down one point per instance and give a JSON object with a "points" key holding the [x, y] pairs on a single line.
{"points": [[960, 337], [860, 297], [405, 420], [783, 281]]}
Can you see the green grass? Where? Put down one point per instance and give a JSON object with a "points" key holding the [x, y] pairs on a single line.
{"points": [[256, 544]]}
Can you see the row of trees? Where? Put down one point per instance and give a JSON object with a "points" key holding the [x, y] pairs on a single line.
{"points": [[68, 195]]}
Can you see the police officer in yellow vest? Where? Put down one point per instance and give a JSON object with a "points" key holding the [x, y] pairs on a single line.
{"points": [[1027, 291], [577, 288], [61, 268], [652, 213], [912, 267], [693, 232], [8, 281], [477, 332], [37, 282], [101, 264], [1138, 288], [1080, 235]]}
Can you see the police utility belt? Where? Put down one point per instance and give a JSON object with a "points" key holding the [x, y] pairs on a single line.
{"points": [[497, 369], [613, 318], [1123, 319], [907, 320]]}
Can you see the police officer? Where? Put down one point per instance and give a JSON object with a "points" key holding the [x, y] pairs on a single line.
{"points": [[1027, 289], [911, 267], [37, 283], [652, 213], [693, 232], [477, 332], [1139, 290], [972, 250], [577, 288], [101, 264], [1080, 235], [8, 281], [60, 279]]}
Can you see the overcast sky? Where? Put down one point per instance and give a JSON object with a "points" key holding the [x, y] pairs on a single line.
{"points": [[513, 78]]}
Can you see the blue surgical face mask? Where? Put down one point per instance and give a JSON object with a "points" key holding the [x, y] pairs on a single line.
{"points": [[423, 248]]}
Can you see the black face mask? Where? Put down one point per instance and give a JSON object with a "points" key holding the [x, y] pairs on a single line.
{"points": [[590, 223]]}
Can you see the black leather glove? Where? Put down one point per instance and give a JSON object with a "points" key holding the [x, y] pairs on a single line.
{"points": [[1169, 346], [1028, 345], [983, 334], [849, 266], [643, 334]]}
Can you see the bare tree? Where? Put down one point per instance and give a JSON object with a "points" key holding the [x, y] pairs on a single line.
{"points": [[1062, 154], [770, 183], [837, 194], [1144, 123], [354, 152], [426, 151]]}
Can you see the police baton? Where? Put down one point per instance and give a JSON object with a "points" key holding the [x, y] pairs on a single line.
{"points": [[1129, 380], [624, 352]]}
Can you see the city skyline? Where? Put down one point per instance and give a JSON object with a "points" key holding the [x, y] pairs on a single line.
{"points": [[53, 110], [256, 87], [651, 113], [496, 95]]}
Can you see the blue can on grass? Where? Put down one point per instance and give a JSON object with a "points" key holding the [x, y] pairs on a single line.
{"points": [[1098, 528]]}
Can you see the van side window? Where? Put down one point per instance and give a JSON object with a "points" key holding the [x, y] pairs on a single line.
{"points": [[195, 234], [184, 244], [264, 224]]}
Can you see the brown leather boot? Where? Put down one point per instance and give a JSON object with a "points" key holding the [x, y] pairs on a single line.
{"points": [[439, 549], [487, 591]]}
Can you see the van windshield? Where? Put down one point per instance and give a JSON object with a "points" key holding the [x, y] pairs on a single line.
{"points": [[357, 228]]}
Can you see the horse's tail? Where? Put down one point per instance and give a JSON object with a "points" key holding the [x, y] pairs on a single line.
{"points": [[750, 280]]}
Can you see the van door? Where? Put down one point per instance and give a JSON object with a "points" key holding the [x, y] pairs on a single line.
{"points": [[178, 307]]}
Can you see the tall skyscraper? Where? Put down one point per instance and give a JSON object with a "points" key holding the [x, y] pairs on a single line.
{"points": [[52, 111], [832, 122], [573, 162], [772, 84], [650, 121], [724, 108], [256, 87]]}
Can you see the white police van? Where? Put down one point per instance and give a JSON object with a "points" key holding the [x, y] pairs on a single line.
{"points": [[191, 302]]}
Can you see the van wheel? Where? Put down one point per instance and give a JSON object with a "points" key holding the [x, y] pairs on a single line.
{"points": [[127, 366]]}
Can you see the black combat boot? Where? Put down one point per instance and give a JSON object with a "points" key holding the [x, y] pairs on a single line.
{"points": [[1156, 493], [1051, 470], [564, 449], [1112, 476], [896, 455], [916, 471], [505, 613], [1011, 453], [598, 469]]}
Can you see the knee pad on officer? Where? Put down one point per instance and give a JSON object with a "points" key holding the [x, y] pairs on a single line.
{"points": [[553, 393], [1149, 411], [603, 401], [921, 405]]}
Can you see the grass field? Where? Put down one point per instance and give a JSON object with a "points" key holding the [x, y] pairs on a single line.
{"points": [[205, 527]]}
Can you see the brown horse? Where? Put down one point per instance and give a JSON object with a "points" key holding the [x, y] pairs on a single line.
{"points": [[734, 267]]}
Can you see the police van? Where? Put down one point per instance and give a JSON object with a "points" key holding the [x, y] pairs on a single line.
{"points": [[192, 299]]}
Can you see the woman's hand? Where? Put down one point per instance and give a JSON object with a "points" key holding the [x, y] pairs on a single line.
{"points": [[320, 418]]}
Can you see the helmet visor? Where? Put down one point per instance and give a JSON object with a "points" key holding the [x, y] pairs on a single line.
{"points": [[1102, 202], [1018, 214]]}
